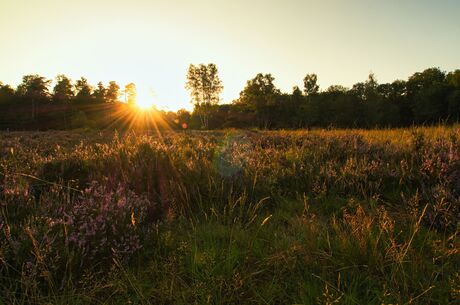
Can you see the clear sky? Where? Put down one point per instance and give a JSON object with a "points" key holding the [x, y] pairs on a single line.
{"points": [[151, 43]]}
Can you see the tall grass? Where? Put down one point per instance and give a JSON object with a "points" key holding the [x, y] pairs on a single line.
{"points": [[227, 217]]}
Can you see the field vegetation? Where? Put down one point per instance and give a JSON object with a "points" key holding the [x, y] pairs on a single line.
{"points": [[230, 217]]}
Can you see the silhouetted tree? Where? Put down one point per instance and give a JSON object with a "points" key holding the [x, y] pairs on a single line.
{"points": [[34, 88], [453, 98], [99, 93], [63, 90], [453, 79], [428, 93], [63, 94], [336, 107], [310, 84], [391, 102], [6, 94], [183, 117], [373, 106], [205, 87], [84, 91], [260, 95], [112, 93], [294, 116]]}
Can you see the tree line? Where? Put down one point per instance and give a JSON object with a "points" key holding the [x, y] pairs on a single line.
{"points": [[428, 97], [67, 105]]}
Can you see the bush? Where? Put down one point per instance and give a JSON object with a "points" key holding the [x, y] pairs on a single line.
{"points": [[104, 223]]}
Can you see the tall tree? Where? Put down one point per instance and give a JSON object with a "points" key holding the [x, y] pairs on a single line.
{"points": [[63, 90], [260, 95], [453, 81], [113, 92], [310, 84], [63, 94], [6, 94], [205, 87], [34, 88], [428, 92], [296, 101], [183, 117], [84, 91], [99, 93]]}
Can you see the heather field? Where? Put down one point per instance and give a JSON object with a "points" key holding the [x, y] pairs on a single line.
{"points": [[230, 217]]}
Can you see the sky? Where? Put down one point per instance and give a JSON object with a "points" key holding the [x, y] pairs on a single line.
{"points": [[152, 43]]}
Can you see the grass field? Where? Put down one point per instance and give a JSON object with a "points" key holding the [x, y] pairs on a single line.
{"points": [[230, 217]]}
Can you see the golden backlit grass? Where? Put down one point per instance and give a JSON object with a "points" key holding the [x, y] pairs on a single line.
{"points": [[230, 217]]}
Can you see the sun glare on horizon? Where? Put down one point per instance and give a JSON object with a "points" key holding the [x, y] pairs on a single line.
{"points": [[145, 99], [145, 104]]}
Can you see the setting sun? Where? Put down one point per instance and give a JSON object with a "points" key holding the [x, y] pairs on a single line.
{"points": [[145, 104]]}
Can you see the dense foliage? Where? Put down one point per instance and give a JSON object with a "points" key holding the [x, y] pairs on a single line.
{"points": [[230, 217], [428, 97]]}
